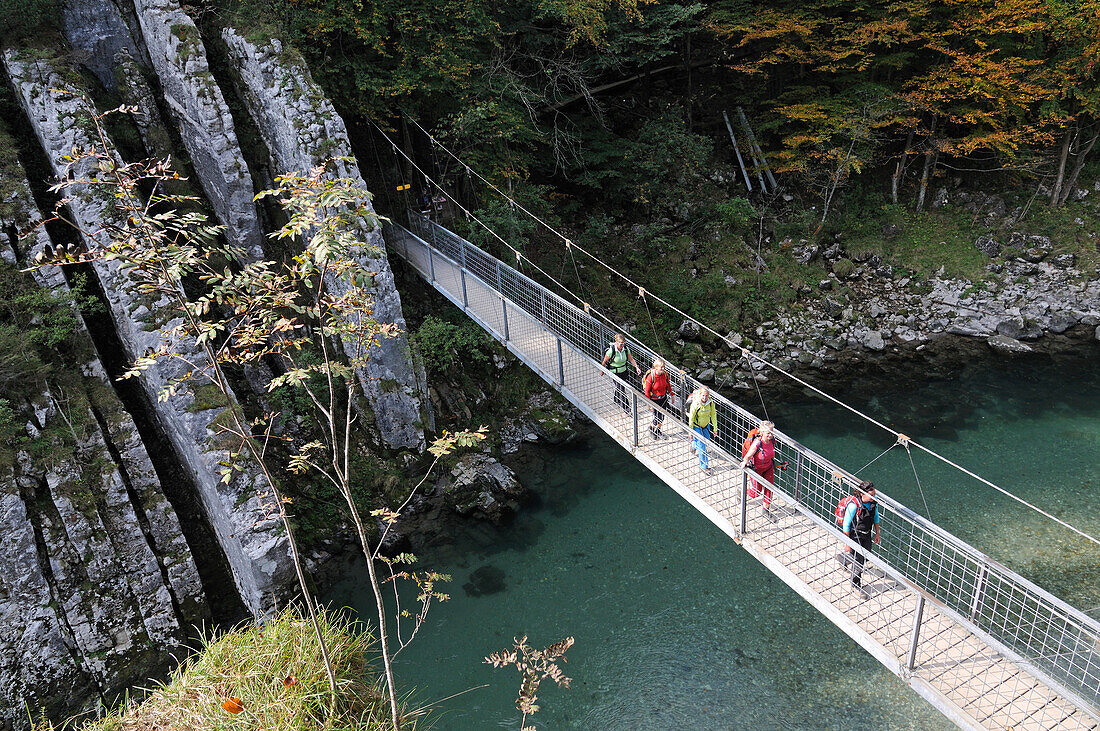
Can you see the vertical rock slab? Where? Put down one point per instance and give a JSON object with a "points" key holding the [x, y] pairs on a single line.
{"points": [[253, 541], [102, 42], [98, 588], [98, 31], [178, 57], [39, 662], [302, 129]]}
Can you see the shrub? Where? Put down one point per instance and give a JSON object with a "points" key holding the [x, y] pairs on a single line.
{"points": [[737, 213], [446, 346]]}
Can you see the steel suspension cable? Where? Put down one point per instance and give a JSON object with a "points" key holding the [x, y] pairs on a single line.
{"points": [[876, 459], [745, 351], [917, 478], [759, 393]]}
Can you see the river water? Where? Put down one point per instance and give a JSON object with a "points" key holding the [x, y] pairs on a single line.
{"points": [[676, 627]]}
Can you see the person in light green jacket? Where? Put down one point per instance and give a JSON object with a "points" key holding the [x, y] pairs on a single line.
{"points": [[703, 420], [618, 359]]}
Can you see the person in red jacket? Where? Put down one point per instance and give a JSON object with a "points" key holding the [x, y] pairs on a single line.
{"points": [[761, 454], [657, 389]]}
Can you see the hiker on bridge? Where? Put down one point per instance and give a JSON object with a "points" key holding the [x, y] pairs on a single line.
{"points": [[861, 524], [618, 360], [703, 420], [759, 451], [657, 389]]}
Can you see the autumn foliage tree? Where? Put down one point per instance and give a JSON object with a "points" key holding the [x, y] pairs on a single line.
{"points": [[991, 81]]}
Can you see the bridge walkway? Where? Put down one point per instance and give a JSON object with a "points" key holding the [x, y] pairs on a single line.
{"points": [[920, 583]]}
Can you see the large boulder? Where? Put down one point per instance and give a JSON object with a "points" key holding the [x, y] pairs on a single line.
{"points": [[482, 486], [1018, 328], [689, 330], [872, 340], [988, 246]]}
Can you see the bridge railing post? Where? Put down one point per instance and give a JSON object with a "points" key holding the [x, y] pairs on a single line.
{"points": [[504, 311], [979, 587], [431, 264], [914, 638], [561, 365], [634, 413], [744, 500], [500, 280], [798, 478], [465, 300]]}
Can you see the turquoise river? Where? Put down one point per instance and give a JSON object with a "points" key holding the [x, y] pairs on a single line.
{"points": [[676, 627]]}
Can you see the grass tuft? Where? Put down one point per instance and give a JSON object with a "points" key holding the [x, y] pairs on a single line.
{"points": [[276, 672]]}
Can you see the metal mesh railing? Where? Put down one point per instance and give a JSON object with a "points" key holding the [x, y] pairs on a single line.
{"points": [[565, 344]]}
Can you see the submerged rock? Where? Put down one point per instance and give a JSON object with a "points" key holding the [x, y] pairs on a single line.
{"points": [[1005, 344], [484, 581]]}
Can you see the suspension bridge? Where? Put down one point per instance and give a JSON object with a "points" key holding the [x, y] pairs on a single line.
{"points": [[983, 645]]}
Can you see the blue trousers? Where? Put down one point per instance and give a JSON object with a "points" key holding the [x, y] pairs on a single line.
{"points": [[699, 446]]}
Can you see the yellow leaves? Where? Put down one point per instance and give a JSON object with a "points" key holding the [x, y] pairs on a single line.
{"points": [[587, 19]]}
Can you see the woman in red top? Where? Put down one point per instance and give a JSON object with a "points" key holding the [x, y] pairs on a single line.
{"points": [[762, 456], [658, 390]]}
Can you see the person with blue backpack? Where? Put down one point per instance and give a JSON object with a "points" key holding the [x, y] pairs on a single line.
{"points": [[860, 522]]}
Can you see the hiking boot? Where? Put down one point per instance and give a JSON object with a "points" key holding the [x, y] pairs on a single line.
{"points": [[767, 511]]}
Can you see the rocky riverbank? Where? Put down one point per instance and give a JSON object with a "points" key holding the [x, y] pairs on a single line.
{"points": [[1030, 300]]}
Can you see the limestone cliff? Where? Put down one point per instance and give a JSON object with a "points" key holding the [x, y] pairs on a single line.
{"points": [[112, 509], [97, 584], [302, 130], [254, 544]]}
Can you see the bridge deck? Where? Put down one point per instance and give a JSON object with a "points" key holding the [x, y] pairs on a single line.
{"points": [[957, 670]]}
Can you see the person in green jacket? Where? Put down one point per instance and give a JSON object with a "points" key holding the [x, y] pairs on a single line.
{"points": [[618, 360], [703, 420]]}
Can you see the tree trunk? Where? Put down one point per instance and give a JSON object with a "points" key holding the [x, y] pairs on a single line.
{"points": [[895, 181], [924, 179], [1071, 182], [383, 633], [687, 64], [1056, 191]]}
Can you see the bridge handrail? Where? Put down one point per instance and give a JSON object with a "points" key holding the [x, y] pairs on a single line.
{"points": [[1024, 619]]}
